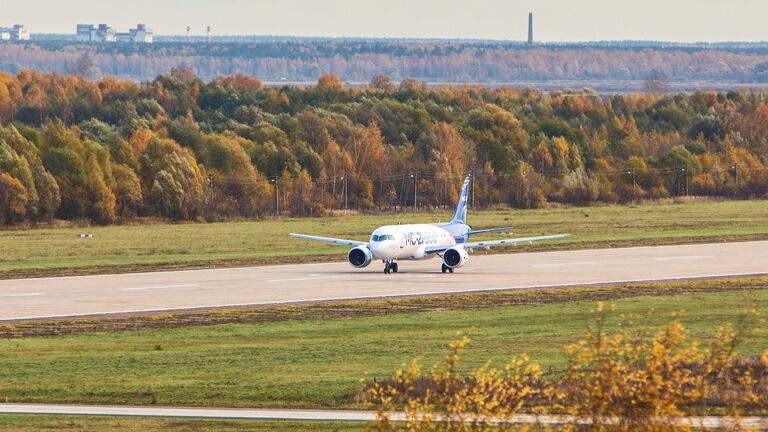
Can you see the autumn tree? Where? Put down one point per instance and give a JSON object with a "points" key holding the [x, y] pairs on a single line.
{"points": [[499, 138], [337, 163], [236, 182], [383, 83], [13, 200], [579, 187], [302, 197], [101, 199], [64, 155], [540, 157], [330, 86], [171, 179], [127, 190], [657, 82], [6, 103]]}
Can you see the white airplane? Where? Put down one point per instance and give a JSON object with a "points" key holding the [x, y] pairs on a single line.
{"points": [[449, 241]]}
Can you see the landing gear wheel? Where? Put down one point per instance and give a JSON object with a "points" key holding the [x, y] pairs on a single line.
{"points": [[450, 270], [444, 268], [390, 267]]}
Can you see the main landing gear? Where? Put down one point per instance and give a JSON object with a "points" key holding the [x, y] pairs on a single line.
{"points": [[447, 269], [390, 267]]}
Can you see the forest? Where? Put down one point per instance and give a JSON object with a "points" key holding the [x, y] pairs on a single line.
{"points": [[304, 60], [182, 148]]}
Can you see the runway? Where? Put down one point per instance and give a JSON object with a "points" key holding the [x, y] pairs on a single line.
{"points": [[283, 284], [708, 422]]}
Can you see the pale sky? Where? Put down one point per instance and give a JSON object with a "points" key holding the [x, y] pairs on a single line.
{"points": [[555, 20]]}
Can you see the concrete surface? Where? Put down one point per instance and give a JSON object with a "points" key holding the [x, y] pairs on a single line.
{"points": [[709, 422], [174, 290]]}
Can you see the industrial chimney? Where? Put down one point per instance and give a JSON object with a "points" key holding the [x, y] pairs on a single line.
{"points": [[530, 28], [209, 33]]}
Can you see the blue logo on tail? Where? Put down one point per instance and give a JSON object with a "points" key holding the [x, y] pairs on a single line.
{"points": [[460, 217]]}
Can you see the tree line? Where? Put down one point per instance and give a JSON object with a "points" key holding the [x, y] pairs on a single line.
{"points": [[439, 61], [182, 148]]}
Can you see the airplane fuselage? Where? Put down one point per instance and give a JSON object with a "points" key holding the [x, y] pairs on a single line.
{"points": [[449, 241], [409, 242]]}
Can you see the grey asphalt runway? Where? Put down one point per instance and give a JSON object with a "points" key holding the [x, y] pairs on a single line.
{"points": [[757, 423], [175, 290]]}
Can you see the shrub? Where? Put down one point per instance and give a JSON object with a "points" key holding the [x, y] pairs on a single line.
{"points": [[639, 380]]}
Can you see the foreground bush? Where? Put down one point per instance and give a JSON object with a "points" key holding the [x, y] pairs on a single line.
{"points": [[628, 380]]}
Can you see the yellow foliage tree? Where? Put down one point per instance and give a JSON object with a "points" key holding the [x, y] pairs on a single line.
{"points": [[640, 380]]}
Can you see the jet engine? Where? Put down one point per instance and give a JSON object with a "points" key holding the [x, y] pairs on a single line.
{"points": [[455, 257], [360, 257]]}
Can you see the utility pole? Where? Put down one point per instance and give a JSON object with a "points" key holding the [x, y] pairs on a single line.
{"points": [[322, 190], [685, 171], [277, 195], [211, 192], [473, 189], [415, 178], [736, 178], [634, 185], [402, 193], [345, 178]]}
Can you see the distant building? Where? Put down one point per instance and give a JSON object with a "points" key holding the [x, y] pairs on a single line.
{"points": [[92, 33], [84, 32], [15, 33], [104, 33], [141, 34], [530, 28]]}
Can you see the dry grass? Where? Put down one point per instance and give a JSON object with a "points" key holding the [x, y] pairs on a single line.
{"points": [[314, 357], [145, 247], [22, 423]]}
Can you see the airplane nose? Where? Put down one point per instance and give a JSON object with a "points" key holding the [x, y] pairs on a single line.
{"points": [[376, 249]]}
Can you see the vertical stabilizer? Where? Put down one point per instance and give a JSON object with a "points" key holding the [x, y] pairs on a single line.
{"points": [[460, 217]]}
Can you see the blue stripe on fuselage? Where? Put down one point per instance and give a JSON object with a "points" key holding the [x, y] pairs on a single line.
{"points": [[460, 232]]}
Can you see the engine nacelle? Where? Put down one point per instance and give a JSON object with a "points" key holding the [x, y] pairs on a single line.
{"points": [[455, 257], [360, 257]]}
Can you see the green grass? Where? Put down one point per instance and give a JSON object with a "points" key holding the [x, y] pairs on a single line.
{"points": [[316, 362], [22, 423], [143, 247]]}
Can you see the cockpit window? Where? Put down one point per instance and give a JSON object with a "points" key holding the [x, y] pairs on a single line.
{"points": [[381, 238], [374, 238]]}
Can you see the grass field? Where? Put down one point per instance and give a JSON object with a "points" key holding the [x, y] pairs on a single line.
{"points": [[317, 362], [96, 424], [146, 247]]}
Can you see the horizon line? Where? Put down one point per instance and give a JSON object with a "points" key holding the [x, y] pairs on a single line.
{"points": [[437, 38]]}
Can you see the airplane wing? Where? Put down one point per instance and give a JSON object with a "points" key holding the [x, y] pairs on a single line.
{"points": [[329, 240], [472, 245]]}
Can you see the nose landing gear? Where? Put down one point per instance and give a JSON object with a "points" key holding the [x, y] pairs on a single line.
{"points": [[390, 267], [446, 269]]}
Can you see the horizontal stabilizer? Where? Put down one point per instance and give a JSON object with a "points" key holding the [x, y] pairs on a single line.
{"points": [[472, 245], [515, 241], [489, 230]]}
